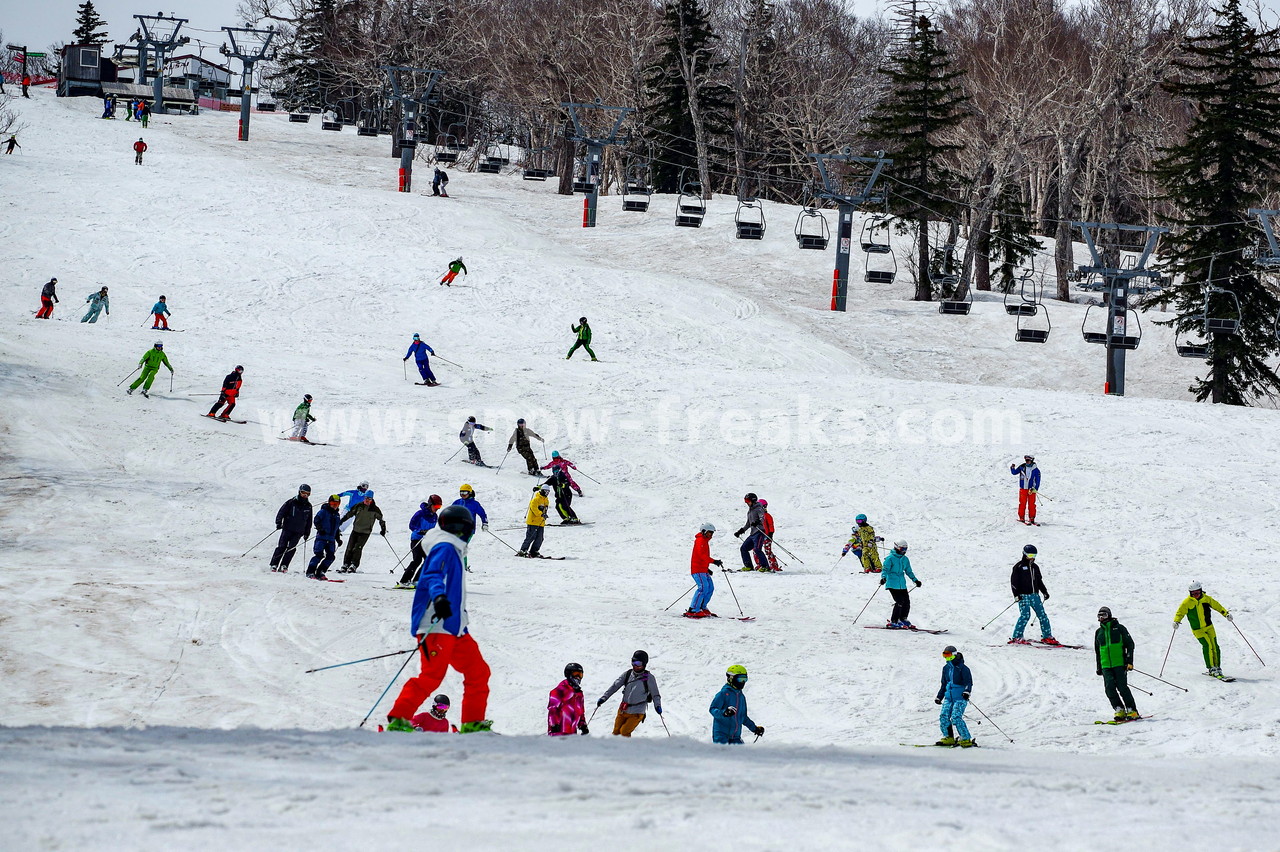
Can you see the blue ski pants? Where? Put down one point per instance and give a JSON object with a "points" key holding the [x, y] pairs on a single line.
{"points": [[754, 543], [1027, 603], [325, 551], [702, 595], [424, 368], [953, 714]]}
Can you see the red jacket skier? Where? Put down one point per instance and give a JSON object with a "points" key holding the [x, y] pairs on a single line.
{"points": [[230, 390], [435, 720], [566, 710]]}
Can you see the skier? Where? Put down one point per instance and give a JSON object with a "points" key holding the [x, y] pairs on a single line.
{"points": [[559, 482], [419, 351], [439, 181], [439, 620], [700, 568], [48, 297], [897, 568], [294, 522], [227, 396], [755, 524], [729, 710], [1027, 586], [355, 496], [150, 361], [435, 720], [328, 538], [454, 267], [467, 500], [364, 513], [520, 440], [535, 523], [1113, 652], [639, 689], [863, 544], [468, 441], [26, 83], [139, 148], [302, 419], [584, 339], [11, 143], [128, 110], [422, 522], [1028, 486], [953, 695], [108, 107], [97, 303], [566, 709], [766, 544], [159, 309], [144, 113], [559, 462], [1197, 608]]}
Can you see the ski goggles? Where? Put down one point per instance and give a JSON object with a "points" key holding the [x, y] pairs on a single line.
{"points": [[440, 709], [947, 656], [739, 679], [638, 663], [1030, 556]]}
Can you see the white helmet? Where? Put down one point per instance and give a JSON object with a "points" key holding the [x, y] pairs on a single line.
{"points": [[708, 527], [1195, 586], [364, 485], [900, 544]]}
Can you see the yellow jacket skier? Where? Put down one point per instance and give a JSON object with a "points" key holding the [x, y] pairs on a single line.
{"points": [[1198, 609], [863, 544]]}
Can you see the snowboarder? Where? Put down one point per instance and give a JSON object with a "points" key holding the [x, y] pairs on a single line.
{"points": [[48, 298], [584, 339], [520, 440], [467, 437], [755, 529], [302, 420], [566, 709], [1113, 652], [729, 710], [559, 483], [159, 309], [139, 148], [1198, 609], [98, 302], [455, 266], [150, 361], [294, 522], [535, 523], [700, 568], [1027, 586], [467, 500], [419, 350], [422, 522], [435, 720], [639, 690], [953, 695], [11, 143], [440, 180], [1028, 486], [559, 462], [863, 543], [439, 620], [897, 568], [364, 513], [328, 538], [766, 544], [227, 396]]}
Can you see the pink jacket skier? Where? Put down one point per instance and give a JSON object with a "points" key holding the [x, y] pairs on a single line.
{"points": [[559, 462], [566, 711]]}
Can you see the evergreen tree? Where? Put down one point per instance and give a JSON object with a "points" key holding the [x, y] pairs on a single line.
{"points": [[687, 108], [1012, 243], [912, 124], [90, 28], [305, 76], [1228, 162]]}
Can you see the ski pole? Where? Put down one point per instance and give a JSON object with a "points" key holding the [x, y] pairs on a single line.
{"points": [[447, 361], [993, 724], [1161, 679], [780, 547], [405, 364], [1002, 612], [677, 600], [455, 454], [589, 476], [838, 561], [144, 323], [171, 381], [593, 713], [388, 689], [1143, 691], [402, 558], [504, 459], [1170, 648], [864, 606], [126, 378], [398, 557], [504, 544], [365, 660], [664, 724], [1246, 641], [732, 592], [264, 538]]}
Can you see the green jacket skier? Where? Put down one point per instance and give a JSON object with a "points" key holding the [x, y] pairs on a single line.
{"points": [[150, 363], [1113, 652], [584, 339], [455, 267], [301, 420]]}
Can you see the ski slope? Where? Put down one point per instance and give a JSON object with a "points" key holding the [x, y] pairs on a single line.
{"points": [[172, 668]]}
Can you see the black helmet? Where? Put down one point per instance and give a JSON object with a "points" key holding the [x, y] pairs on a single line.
{"points": [[750, 497], [640, 657], [441, 699], [582, 319], [238, 369], [306, 397], [458, 521], [950, 649], [571, 668], [304, 487], [1104, 613], [471, 419], [1029, 550]]}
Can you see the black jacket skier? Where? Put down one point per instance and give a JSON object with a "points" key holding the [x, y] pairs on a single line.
{"points": [[294, 522]]}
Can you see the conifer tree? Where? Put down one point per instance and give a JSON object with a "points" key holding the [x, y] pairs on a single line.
{"points": [[90, 28], [305, 73], [1012, 242]]}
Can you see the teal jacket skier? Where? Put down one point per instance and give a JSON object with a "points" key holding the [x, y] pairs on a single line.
{"points": [[729, 710]]}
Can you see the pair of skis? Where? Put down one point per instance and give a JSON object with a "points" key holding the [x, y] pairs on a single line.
{"points": [[903, 629]]}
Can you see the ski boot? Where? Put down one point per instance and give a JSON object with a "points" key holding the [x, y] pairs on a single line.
{"points": [[1018, 640], [967, 743], [484, 726], [1049, 640], [693, 613], [1120, 715], [947, 741], [399, 725], [706, 613], [1131, 715]]}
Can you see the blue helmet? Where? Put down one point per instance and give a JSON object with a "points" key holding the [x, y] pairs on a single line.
{"points": [[861, 519]]}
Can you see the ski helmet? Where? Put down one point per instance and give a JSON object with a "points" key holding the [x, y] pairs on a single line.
{"points": [[736, 676], [900, 544], [543, 490], [162, 298], [736, 670], [1104, 613], [368, 495], [641, 657], [417, 337], [861, 519], [239, 368], [334, 498], [582, 319], [53, 280], [465, 489], [306, 397], [571, 668], [1029, 458], [520, 422], [471, 419], [750, 497], [304, 488], [364, 485], [456, 520], [434, 500], [708, 527], [159, 345], [1029, 550], [441, 699], [555, 454], [764, 504], [950, 649], [1195, 586]]}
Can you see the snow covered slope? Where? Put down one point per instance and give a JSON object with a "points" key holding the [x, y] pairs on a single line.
{"points": [[124, 519]]}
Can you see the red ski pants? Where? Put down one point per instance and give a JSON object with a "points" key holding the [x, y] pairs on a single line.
{"points": [[448, 278], [439, 652], [160, 322], [46, 308], [1026, 504]]}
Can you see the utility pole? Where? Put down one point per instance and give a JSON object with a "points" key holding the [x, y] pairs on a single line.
{"points": [[413, 90], [1116, 283], [595, 149], [849, 191], [161, 33], [249, 46]]}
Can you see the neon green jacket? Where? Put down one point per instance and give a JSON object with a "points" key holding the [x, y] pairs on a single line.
{"points": [[583, 331], [1198, 612], [153, 359]]}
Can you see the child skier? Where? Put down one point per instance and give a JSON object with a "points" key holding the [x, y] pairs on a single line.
{"points": [[422, 522], [1027, 586], [434, 721], [766, 545], [1028, 486], [328, 538], [863, 544], [584, 339], [1113, 652], [535, 523], [1197, 608], [897, 568], [559, 482], [302, 419], [48, 297], [467, 436], [520, 440], [294, 522], [440, 180], [419, 350], [364, 514], [700, 568], [953, 695], [150, 361], [230, 390], [97, 303], [729, 710], [566, 710], [639, 690], [467, 500], [559, 462], [455, 266], [159, 310]]}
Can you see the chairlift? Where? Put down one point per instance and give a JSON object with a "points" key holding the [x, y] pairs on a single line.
{"points": [[690, 206], [954, 307], [583, 185], [1028, 333], [635, 196], [1024, 305], [367, 124], [869, 242], [886, 265], [329, 120], [1121, 339], [299, 117], [812, 231], [749, 219], [536, 172], [1030, 304], [1221, 324], [445, 151]]}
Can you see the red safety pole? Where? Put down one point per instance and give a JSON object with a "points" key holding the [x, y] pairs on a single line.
{"points": [[835, 287]]}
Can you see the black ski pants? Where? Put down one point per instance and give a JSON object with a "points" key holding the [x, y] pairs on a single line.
{"points": [[355, 547], [901, 604], [1115, 681], [285, 548], [410, 574], [564, 504], [530, 460]]}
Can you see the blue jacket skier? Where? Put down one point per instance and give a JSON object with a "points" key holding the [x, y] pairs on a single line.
{"points": [[355, 496], [420, 350], [328, 537], [953, 695], [729, 710], [422, 522], [467, 500]]}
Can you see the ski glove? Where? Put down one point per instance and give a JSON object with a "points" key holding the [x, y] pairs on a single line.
{"points": [[919, 584], [1176, 625], [739, 533], [657, 709], [730, 711], [279, 526], [1229, 618], [583, 729], [600, 702], [383, 533], [339, 541], [939, 700], [1127, 667], [719, 563], [759, 731], [965, 696], [882, 581], [443, 608], [1046, 596], [484, 527]]}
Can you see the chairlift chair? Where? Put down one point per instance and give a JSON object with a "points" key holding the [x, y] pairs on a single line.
{"points": [[869, 242], [299, 117], [537, 155], [330, 120], [583, 186], [1190, 350], [954, 307], [445, 152], [690, 207], [886, 268], [749, 219], [1115, 341], [1026, 333], [1221, 324], [635, 196], [1023, 306], [491, 166], [812, 231]]}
